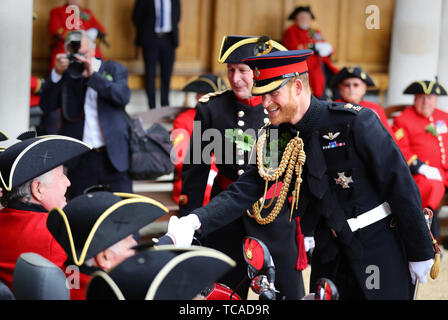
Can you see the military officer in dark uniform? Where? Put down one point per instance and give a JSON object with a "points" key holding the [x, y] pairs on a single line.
{"points": [[357, 196], [236, 112]]}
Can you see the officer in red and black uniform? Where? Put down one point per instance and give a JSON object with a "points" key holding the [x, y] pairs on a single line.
{"points": [[421, 132], [300, 35], [237, 116], [63, 20], [352, 83]]}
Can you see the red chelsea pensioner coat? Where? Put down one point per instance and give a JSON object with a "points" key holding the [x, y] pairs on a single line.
{"points": [[425, 139], [24, 229]]}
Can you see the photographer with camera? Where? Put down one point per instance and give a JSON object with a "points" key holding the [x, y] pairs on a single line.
{"points": [[91, 95], [61, 20]]}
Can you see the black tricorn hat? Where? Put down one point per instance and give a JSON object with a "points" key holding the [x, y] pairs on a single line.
{"points": [[161, 273], [92, 222], [352, 72], [34, 156], [235, 48], [426, 87], [3, 137], [297, 10], [205, 83]]}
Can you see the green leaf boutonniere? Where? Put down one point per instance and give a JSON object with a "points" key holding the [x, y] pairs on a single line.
{"points": [[242, 140], [107, 76], [431, 129], [84, 16], [311, 33]]}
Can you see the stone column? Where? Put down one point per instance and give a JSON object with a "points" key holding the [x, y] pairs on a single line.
{"points": [[16, 18], [416, 35]]}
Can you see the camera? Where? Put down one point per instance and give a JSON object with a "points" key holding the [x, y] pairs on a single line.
{"points": [[73, 43]]}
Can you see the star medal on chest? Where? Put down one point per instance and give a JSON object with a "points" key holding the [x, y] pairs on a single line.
{"points": [[343, 180]]}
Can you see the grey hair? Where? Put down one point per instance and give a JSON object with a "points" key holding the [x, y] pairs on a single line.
{"points": [[83, 35], [115, 248], [22, 193]]}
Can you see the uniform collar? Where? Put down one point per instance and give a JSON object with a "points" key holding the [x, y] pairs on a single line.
{"points": [[251, 102], [310, 118], [23, 206]]}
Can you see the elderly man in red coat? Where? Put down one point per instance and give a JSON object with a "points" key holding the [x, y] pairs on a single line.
{"points": [[421, 132], [301, 36], [32, 181], [352, 83]]}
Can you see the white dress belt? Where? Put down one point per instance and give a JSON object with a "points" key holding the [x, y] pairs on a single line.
{"points": [[369, 217]]}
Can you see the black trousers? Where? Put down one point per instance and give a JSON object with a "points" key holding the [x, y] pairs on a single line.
{"points": [[95, 168], [160, 52]]}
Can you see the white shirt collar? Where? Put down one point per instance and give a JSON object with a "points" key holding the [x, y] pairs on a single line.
{"points": [[96, 64]]}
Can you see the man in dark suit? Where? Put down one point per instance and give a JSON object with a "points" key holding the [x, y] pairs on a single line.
{"points": [[92, 102], [158, 35]]}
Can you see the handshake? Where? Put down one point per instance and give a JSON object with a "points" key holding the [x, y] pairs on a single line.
{"points": [[181, 230]]}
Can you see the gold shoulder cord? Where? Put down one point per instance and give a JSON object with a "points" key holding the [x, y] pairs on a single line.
{"points": [[292, 161]]}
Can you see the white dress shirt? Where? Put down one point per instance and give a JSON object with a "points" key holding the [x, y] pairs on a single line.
{"points": [[92, 134], [166, 21]]}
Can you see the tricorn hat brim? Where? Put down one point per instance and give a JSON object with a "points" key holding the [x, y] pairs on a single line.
{"points": [[30, 158], [426, 87], [297, 10], [351, 72], [92, 222], [3, 136], [235, 48], [161, 273], [205, 83]]}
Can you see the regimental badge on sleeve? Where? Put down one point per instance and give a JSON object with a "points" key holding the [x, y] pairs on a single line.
{"points": [[399, 134]]}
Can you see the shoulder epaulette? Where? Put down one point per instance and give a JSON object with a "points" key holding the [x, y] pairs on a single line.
{"points": [[205, 98], [346, 107]]}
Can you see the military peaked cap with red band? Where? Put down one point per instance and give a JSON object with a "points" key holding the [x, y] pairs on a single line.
{"points": [[273, 70]]}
